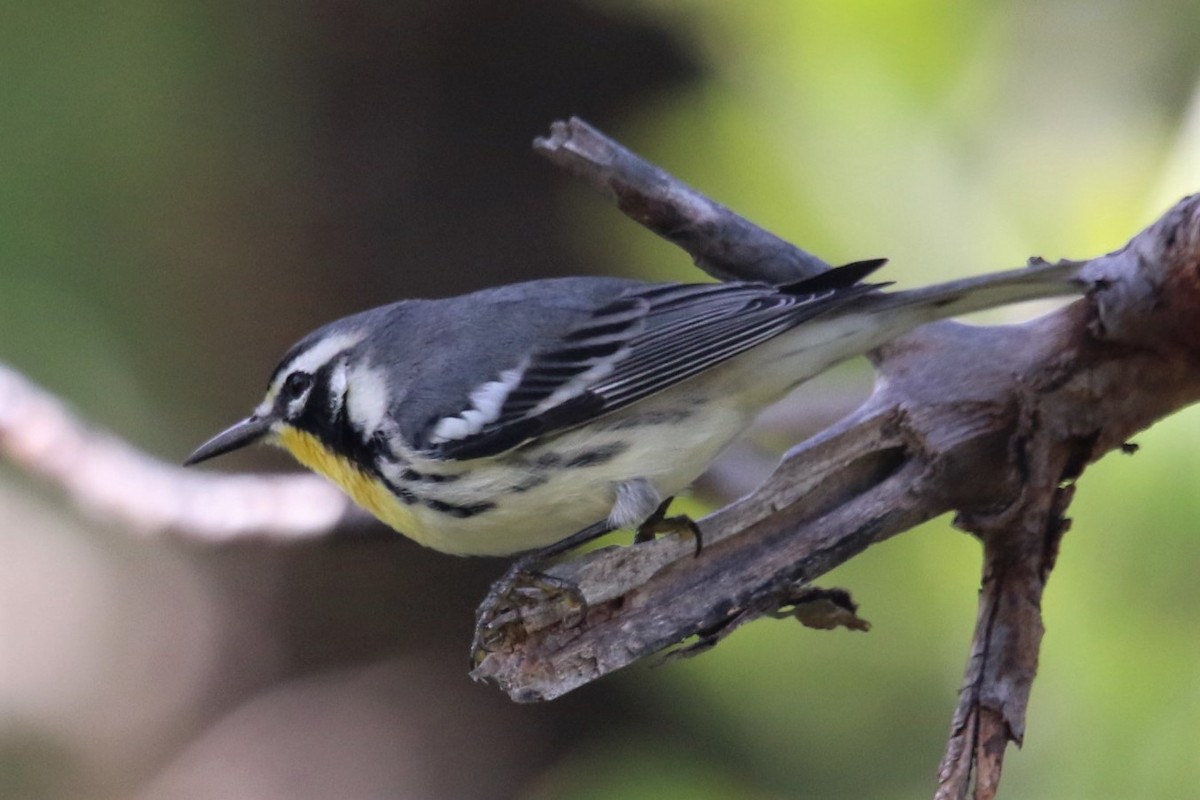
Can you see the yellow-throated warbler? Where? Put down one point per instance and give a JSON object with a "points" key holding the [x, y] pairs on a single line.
{"points": [[509, 419]]}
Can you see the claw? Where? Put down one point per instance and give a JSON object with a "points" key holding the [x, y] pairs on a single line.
{"points": [[521, 585], [658, 524]]}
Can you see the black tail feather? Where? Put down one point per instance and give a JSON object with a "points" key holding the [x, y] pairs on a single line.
{"points": [[842, 277]]}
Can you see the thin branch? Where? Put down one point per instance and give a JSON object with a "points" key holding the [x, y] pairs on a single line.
{"points": [[1020, 547], [114, 483], [723, 244]]}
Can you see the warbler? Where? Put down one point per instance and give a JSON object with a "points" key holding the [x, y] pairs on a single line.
{"points": [[507, 420]]}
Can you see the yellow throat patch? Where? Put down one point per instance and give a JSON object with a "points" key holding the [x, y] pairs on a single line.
{"points": [[368, 492]]}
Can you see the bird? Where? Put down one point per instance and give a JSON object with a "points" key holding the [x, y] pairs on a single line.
{"points": [[526, 418]]}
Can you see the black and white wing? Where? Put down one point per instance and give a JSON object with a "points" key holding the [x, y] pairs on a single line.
{"points": [[648, 340]]}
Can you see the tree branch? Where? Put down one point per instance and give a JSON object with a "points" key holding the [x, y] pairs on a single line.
{"points": [[116, 484], [720, 242], [993, 422]]}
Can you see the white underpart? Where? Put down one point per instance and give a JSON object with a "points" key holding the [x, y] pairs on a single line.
{"points": [[368, 397], [486, 404]]}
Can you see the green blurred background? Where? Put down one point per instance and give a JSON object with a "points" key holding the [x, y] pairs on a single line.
{"points": [[187, 187]]}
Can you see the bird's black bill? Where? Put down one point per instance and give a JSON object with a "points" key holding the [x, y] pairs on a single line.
{"points": [[248, 431]]}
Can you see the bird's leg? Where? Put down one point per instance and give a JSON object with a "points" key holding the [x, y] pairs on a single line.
{"points": [[659, 523], [490, 617]]}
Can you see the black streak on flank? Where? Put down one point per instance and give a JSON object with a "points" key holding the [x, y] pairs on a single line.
{"points": [[458, 511], [412, 476], [404, 495], [592, 458], [531, 482], [548, 460]]}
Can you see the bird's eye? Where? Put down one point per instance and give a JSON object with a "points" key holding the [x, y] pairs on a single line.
{"points": [[296, 384]]}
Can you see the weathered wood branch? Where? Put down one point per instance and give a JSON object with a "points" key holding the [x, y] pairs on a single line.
{"points": [[994, 423], [722, 243]]}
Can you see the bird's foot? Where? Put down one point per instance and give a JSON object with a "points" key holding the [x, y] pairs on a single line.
{"points": [[659, 524], [523, 586]]}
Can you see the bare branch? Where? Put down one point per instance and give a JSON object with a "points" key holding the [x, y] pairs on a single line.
{"points": [[116, 484], [723, 244], [1020, 547], [1134, 363], [988, 421]]}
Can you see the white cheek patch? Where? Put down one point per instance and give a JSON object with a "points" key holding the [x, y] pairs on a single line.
{"points": [[367, 397], [337, 389], [486, 404]]}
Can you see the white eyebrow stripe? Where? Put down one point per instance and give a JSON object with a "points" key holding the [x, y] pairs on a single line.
{"points": [[313, 359], [322, 352]]}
